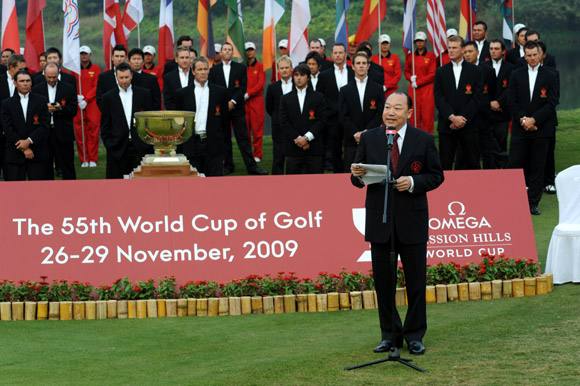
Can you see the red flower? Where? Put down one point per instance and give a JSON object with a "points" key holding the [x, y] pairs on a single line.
{"points": [[137, 288]]}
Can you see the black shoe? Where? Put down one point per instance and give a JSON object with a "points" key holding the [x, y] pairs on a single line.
{"points": [[384, 346], [416, 347], [257, 171], [550, 189], [228, 171], [534, 210]]}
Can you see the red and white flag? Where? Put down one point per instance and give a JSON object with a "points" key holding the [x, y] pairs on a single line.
{"points": [[299, 21], [436, 26], [132, 16], [165, 45], [10, 38], [112, 29], [34, 34]]}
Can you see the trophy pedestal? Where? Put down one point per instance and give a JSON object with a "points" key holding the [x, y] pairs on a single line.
{"points": [[173, 166]]}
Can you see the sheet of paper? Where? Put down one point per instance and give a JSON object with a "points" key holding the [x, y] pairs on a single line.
{"points": [[375, 173]]}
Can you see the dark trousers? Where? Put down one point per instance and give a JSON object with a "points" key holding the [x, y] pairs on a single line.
{"points": [[333, 147], [278, 156], [499, 130], [308, 164], [118, 168], [238, 124], [530, 154], [29, 170], [490, 151], [210, 165], [413, 257], [62, 156], [550, 170], [349, 153], [464, 139]]}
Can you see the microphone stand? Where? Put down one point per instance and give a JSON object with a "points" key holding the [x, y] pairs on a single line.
{"points": [[395, 352]]}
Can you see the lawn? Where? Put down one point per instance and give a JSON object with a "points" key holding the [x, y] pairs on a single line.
{"points": [[504, 342]]}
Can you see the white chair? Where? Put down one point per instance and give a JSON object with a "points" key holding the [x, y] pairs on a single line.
{"points": [[564, 250]]}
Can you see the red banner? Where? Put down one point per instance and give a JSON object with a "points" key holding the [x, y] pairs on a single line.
{"points": [[227, 228]]}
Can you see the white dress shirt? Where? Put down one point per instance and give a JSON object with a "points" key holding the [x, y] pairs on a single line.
{"points": [[127, 101], [10, 81], [301, 97], [24, 103], [286, 86], [402, 131], [227, 68], [183, 77], [532, 75], [341, 76], [479, 48], [457, 72], [361, 86], [201, 105], [51, 98], [496, 66], [314, 80]]}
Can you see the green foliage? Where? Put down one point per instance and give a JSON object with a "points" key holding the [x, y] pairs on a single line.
{"points": [[167, 288]]}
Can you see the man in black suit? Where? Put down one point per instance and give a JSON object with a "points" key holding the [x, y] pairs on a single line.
{"points": [[172, 65], [533, 96], [548, 60], [376, 73], [302, 124], [233, 76], [25, 124], [514, 54], [360, 106], [205, 149], [107, 79], [416, 170], [329, 84], [313, 61], [480, 39], [124, 147], [53, 55], [179, 78], [315, 45], [457, 89], [144, 80], [273, 95], [62, 107], [4, 56]]}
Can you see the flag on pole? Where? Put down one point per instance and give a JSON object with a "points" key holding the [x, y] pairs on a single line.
{"points": [[132, 16], [467, 18], [70, 37], [436, 26], [273, 11], [370, 19], [506, 9], [10, 38], [299, 21], [166, 37], [34, 34], [204, 26], [235, 33], [341, 30], [112, 29], [409, 23]]}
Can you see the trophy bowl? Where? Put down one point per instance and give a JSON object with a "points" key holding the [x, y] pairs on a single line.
{"points": [[164, 130]]}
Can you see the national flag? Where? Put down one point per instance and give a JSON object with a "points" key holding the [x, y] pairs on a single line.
{"points": [[370, 19], [341, 30], [436, 26], [299, 21], [112, 29], [273, 11], [70, 37], [166, 36], [132, 16], [204, 26], [506, 9], [467, 18], [34, 34], [235, 33], [409, 23], [10, 38]]}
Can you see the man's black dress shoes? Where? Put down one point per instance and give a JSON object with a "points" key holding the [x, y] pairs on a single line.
{"points": [[416, 347], [257, 171], [534, 210], [384, 346]]}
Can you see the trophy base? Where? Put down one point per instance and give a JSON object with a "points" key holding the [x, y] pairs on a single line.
{"points": [[165, 167]]}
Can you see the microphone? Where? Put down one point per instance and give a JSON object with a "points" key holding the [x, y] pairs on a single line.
{"points": [[390, 132]]}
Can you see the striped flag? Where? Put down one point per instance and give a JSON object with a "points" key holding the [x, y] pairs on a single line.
{"points": [[166, 37], [273, 11], [409, 23], [132, 17], [10, 38], [506, 9], [341, 31], [370, 19], [436, 26], [299, 21], [204, 26], [112, 29], [235, 33], [34, 34], [467, 18], [71, 59]]}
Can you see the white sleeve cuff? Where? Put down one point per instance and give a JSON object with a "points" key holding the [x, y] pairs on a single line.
{"points": [[309, 136], [412, 185], [30, 139]]}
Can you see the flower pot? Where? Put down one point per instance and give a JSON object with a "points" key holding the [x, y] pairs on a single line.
{"points": [[78, 310], [201, 307], [29, 310], [246, 305], [369, 300], [257, 307], [122, 309], [268, 304], [213, 307], [161, 308], [530, 286], [463, 289], [486, 290], [111, 309], [53, 311], [518, 288], [235, 306], [302, 303], [507, 288], [452, 292], [333, 302], [5, 311], [441, 290], [171, 308], [322, 302], [101, 309], [344, 299], [541, 285], [496, 289], [400, 297], [18, 311], [224, 307], [278, 304], [181, 307], [289, 303], [141, 309], [66, 311], [191, 307], [550, 278], [42, 311], [131, 309], [312, 303], [90, 310], [151, 308], [430, 294], [356, 300], [475, 291]]}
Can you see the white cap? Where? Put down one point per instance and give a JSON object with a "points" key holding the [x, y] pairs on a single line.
{"points": [[283, 43], [149, 50], [217, 47], [452, 32], [384, 39], [322, 42], [420, 35], [518, 27], [85, 49], [249, 46]]}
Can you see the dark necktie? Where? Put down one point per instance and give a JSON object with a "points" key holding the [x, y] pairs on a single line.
{"points": [[395, 154]]}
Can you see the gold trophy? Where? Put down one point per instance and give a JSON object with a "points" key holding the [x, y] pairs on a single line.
{"points": [[165, 130]]}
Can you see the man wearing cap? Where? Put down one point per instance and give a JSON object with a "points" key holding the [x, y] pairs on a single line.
{"points": [[254, 98], [514, 54], [282, 50], [316, 46], [391, 65], [144, 80], [444, 58], [149, 66], [352, 46], [421, 83], [217, 58], [480, 38], [179, 78]]}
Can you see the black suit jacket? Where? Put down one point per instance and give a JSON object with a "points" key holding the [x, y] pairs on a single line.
{"points": [[273, 97], [216, 117], [295, 123], [549, 61], [463, 100], [354, 118], [63, 119], [237, 83], [4, 89], [150, 83], [114, 129], [418, 159], [513, 55], [105, 83], [327, 86], [501, 91], [542, 105], [16, 128], [488, 89], [170, 66], [484, 56], [172, 84], [376, 73]]}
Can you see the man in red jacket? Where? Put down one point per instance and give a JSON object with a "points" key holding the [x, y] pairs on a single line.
{"points": [[88, 119], [421, 83], [149, 66], [255, 100], [391, 65]]}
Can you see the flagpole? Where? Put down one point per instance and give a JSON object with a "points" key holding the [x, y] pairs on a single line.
{"points": [[139, 35], [413, 70], [436, 33], [513, 23], [470, 26], [379, 24]]}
